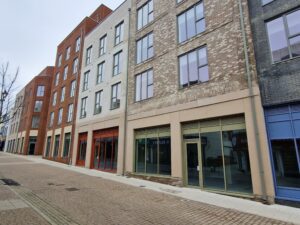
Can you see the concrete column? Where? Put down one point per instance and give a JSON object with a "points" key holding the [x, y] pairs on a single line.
{"points": [[121, 146], [129, 157], [261, 174], [75, 148], [176, 146], [89, 149]]}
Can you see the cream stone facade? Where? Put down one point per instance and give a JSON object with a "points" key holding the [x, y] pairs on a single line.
{"points": [[105, 69], [227, 106], [13, 137]]}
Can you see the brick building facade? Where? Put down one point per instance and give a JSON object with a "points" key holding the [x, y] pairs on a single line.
{"points": [[63, 105], [276, 35]]}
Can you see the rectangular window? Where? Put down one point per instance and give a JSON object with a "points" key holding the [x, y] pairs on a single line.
{"points": [[40, 91], [117, 63], [144, 85], [83, 108], [56, 79], [153, 151], [284, 36], [63, 93], [98, 102], [119, 33], [100, 72], [51, 119], [115, 96], [77, 44], [65, 73], [70, 113], [72, 89], [48, 145], [102, 45], [54, 98], [59, 60], [35, 122], [193, 67], [144, 49], [145, 14], [75, 65], [88, 56], [68, 51], [60, 115], [85, 81], [67, 144], [191, 22], [38, 106], [56, 145]]}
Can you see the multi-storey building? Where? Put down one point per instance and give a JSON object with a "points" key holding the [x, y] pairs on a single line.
{"points": [[62, 109], [14, 123], [100, 123], [276, 34], [31, 134], [194, 107]]}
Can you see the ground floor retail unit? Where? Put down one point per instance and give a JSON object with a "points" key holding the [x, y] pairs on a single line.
{"points": [[283, 124]]}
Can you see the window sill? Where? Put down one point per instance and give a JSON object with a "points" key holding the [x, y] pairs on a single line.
{"points": [[192, 85], [180, 3], [152, 175], [143, 100], [286, 60], [192, 38], [146, 61], [145, 27]]}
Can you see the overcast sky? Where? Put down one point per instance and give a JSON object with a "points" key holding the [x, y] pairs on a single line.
{"points": [[32, 29]]}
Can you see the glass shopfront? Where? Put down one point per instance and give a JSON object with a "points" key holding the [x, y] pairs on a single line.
{"points": [[82, 144], [105, 150], [153, 151], [216, 153], [283, 124]]}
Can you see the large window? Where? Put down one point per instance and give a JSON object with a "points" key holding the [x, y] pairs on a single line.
{"points": [[153, 151], [51, 119], [56, 79], [77, 44], [59, 60], [48, 146], [70, 113], [67, 144], [102, 45], [98, 102], [145, 14], [63, 93], [68, 51], [144, 48], [54, 98], [284, 36], [40, 91], [193, 67], [56, 146], [115, 96], [65, 73], [88, 56], [72, 89], [100, 73], [117, 63], [85, 81], [144, 85], [60, 116], [38, 106], [83, 108], [35, 122], [75, 65], [191, 22], [119, 33]]}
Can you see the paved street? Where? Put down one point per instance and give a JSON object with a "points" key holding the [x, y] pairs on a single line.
{"points": [[36, 193]]}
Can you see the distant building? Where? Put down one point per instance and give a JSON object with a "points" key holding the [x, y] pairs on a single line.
{"points": [[14, 123], [276, 36], [31, 134]]}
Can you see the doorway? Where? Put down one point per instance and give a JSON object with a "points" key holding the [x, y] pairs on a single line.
{"points": [[31, 146]]}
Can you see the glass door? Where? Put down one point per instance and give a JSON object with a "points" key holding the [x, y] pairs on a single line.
{"points": [[97, 154], [192, 163]]}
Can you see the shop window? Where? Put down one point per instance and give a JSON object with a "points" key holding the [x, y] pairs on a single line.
{"points": [[67, 144], [153, 151]]}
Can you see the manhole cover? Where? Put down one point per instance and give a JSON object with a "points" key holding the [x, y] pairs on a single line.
{"points": [[72, 189], [10, 182]]}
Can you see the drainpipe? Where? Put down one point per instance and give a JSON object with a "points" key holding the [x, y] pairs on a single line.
{"points": [[126, 92], [252, 102]]}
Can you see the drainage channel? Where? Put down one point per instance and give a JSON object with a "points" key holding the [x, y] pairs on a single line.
{"points": [[52, 214]]}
